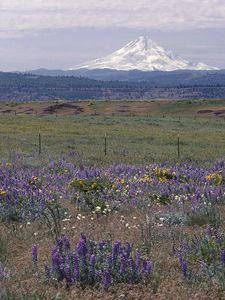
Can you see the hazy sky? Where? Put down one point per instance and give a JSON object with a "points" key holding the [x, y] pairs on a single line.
{"points": [[63, 33]]}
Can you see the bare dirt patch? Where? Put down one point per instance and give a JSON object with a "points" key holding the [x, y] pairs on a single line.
{"points": [[63, 108], [204, 111]]}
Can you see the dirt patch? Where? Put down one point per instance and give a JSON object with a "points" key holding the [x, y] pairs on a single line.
{"points": [[7, 111], [60, 108], [216, 112], [219, 112], [204, 111]]}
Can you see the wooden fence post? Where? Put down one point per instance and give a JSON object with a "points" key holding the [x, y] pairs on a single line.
{"points": [[105, 144], [39, 143], [178, 147]]}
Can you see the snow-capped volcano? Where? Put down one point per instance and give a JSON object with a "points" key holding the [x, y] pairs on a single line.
{"points": [[145, 55]]}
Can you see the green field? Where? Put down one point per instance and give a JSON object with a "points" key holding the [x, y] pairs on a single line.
{"points": [[133, 135], [171, 216]]}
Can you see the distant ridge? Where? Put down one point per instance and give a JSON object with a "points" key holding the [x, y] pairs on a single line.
{"points": [[158, 85]]}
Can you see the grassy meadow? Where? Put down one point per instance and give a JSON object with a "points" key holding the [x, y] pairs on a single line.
{"points": [[137, 133], [137, 223]]}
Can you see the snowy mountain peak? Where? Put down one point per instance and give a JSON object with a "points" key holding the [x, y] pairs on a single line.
{"points": [[145, 55], [142, 43]]}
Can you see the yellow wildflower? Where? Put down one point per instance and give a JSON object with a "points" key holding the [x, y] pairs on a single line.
{"points": [[94, 185], [2, 192]]}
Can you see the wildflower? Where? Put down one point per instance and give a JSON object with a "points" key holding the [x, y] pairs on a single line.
{"points": [[64, 242], [222, 256], [76, 267], [137, 259], [147, 220], [98, 209], [92, 264], [110, 260], [209, 231], [94, 185], [55, 257], [47, 271], [183, 266], [116, 249], [94, 261], [81, 246], [34, 253], [122, 264], [106, 279], [132, 265], [146, 266]]}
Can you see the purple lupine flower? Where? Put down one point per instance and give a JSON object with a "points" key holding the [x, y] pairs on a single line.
{"points": [[47, 271], [67, 273], [82, 247], [109, 261], [102, 244], [144, 266], [222, 256], [92, 264], [132, 265], [106, 279], [83, 237], [218, 237], [122, 264], [34, 253], [4, 274], [76, 267], [184, 268], [66, 243], [209, 231], [116, 249], [183, 265], [127, 250], [137, 259], [61, 271], [55, 257], [59, 243], [148, 266]]}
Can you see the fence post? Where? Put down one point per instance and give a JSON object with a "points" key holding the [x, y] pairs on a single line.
{"points": [[178, 147], [39, 143], [105, 144]]}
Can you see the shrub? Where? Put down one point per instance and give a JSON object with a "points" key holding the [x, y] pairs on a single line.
{"points": [[92, 191], [202, 258], [203, 215], [94, 263]]}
